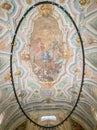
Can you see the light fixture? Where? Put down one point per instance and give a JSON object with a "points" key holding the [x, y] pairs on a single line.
{"points": [[51, 118]]}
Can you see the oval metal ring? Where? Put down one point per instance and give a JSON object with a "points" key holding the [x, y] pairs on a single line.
{"points": [[83, 59]]}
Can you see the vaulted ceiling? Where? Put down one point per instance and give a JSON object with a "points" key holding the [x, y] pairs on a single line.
{"points": [[47, 61]]}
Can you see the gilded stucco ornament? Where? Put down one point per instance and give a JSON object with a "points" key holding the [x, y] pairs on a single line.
{"points": [[8, 27], [46, 10], [48, 101], [88, 73], [78, 40], [21, 94], [76, 70], [7, 77], [6, 6], [25, 57], [13, 99], [29, 1], [67, 53], [84, 2], [62, 1], [2, 46], [75, 93], [90, 41], [47, 84], [18, 73], [13, 44]]}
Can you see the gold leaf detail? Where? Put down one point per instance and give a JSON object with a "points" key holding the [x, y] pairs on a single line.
{"points": [[47, 84], [21, 94], [6, 6], [67, 53], [58, 90], [18, 73], [46, 10], [84, 2], [62, 1], [88, 73], [2, 46], [74, 92], [7, 77], [13, 99], [25, 57], [78, 40], [48, 101], [82, 96], [90, 41], [36, 91], [29, 1], [76, 70]]}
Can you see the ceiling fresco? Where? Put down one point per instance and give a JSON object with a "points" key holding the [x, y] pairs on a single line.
{"points": [[47, 59]]}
